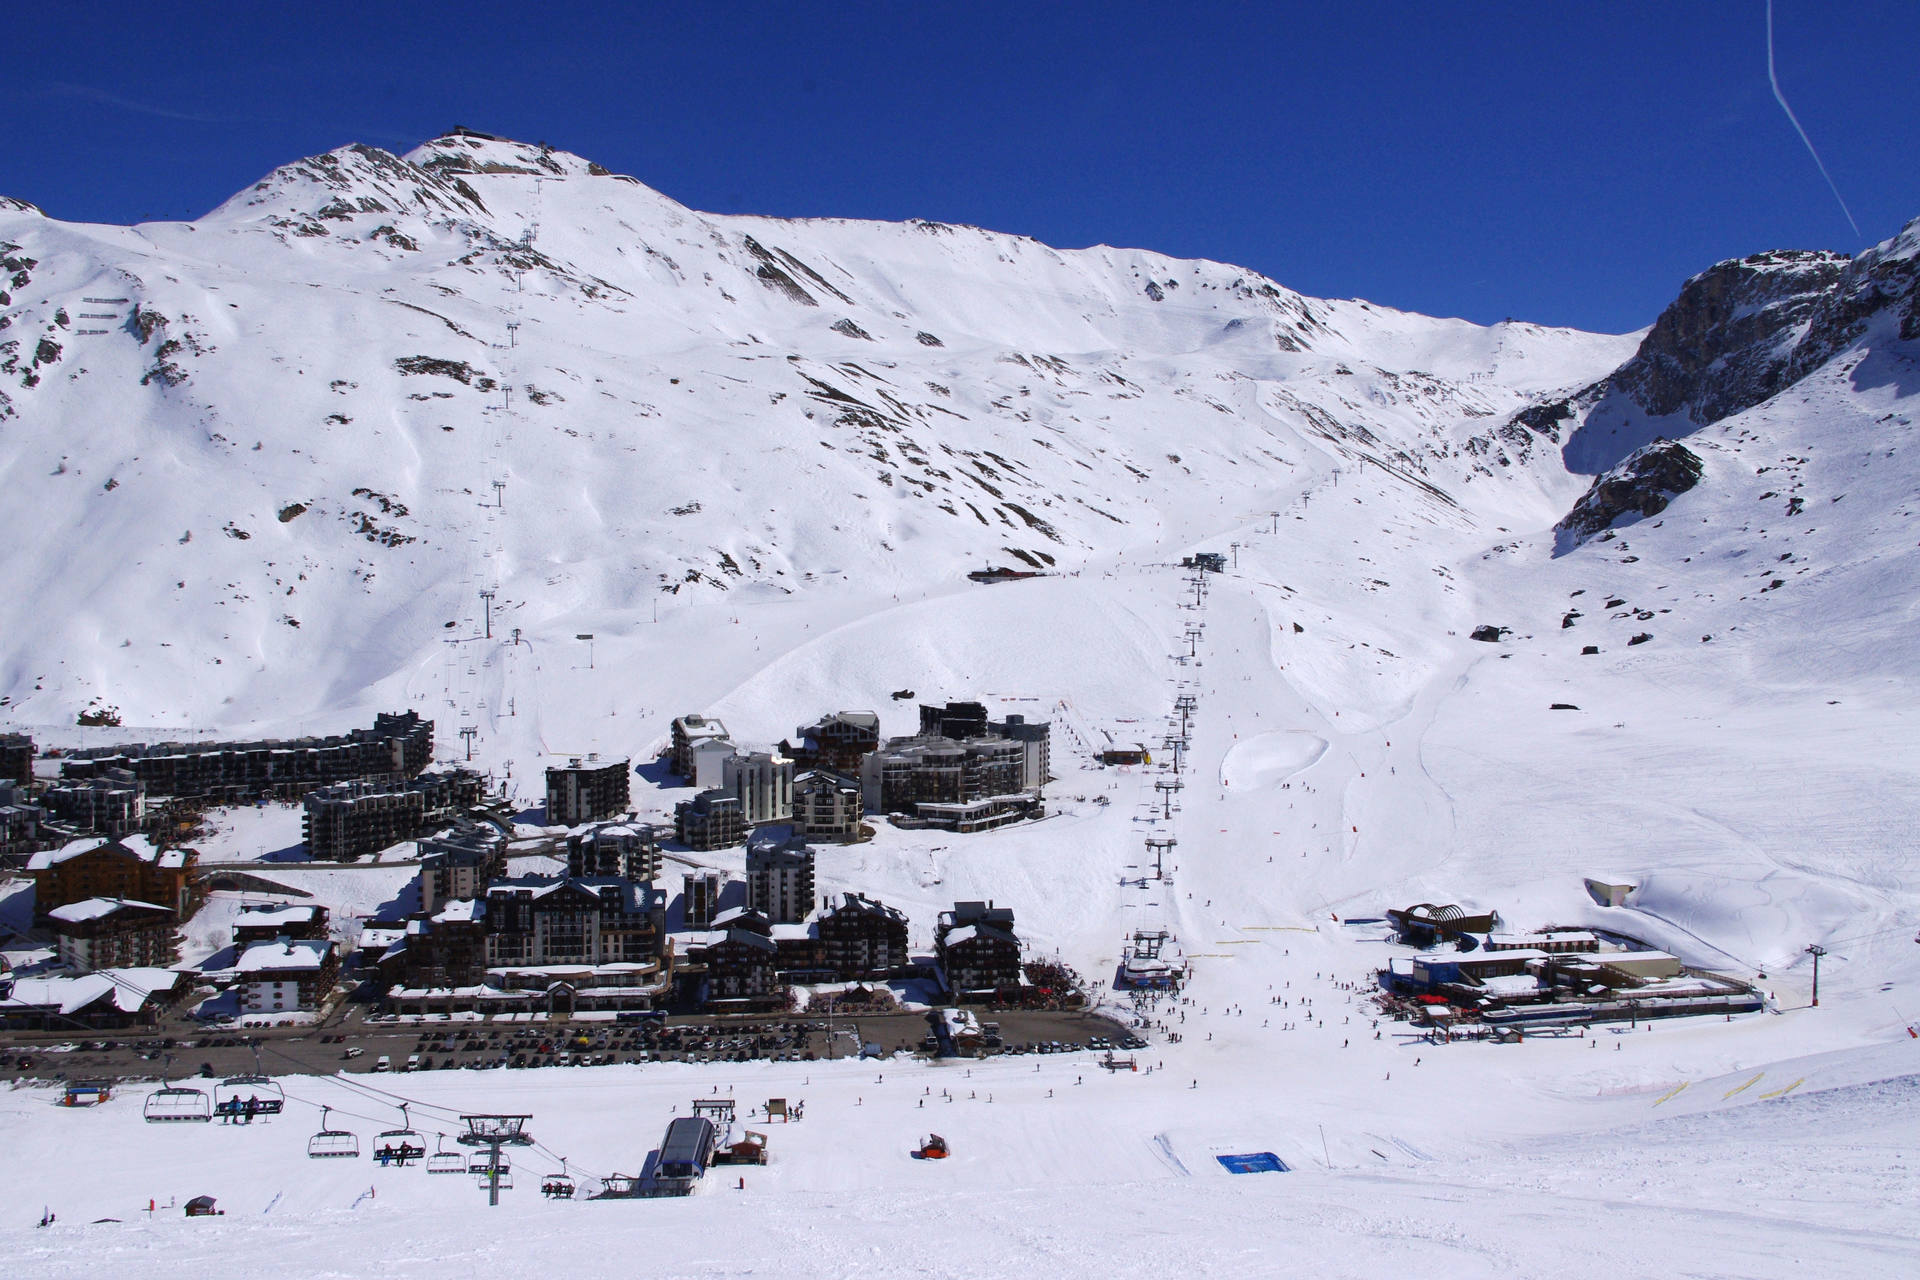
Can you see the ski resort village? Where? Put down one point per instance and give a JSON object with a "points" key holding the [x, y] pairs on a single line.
{"points": [[542, 728]]}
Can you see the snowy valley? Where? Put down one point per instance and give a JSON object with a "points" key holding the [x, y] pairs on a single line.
{"points": [[264, 465]]}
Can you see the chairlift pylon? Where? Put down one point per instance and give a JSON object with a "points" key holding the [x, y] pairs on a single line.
{"points": [[332, 1143]]}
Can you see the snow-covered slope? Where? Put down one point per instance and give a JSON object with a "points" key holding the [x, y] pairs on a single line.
{"points": [[279, 437], [694, 435]]}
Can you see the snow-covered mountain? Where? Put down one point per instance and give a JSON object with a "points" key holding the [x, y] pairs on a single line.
{"points": [[277, 430], [252, 466]]}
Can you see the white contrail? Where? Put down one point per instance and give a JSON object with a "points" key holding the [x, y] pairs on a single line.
{"points": [[1781, 98]]}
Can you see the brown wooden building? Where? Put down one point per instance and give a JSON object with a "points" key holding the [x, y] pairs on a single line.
{"points": [[115, 933], [289, 920], [130, 867], [863, 938]]}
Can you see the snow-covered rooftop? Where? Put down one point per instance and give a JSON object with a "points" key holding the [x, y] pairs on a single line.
{"points": [[99, 908], [292, 955]]}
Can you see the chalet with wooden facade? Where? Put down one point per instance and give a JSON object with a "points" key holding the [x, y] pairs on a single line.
{"points": [[286, 975], [827, 805], [269, 923], [130, 867], [863, 938], [114, 933], [838, 741], [977, 949]]}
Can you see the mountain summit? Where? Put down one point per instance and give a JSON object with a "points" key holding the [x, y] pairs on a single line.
{"points": [[303, 431]]}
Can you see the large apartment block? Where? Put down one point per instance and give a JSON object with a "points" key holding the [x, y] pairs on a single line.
{"points": [[397, 744], [626, 850], [16, 758], [711, 820], [353, 819], [589, 791], [780, 875]]}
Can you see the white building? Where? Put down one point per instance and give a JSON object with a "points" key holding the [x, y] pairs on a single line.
{"points": [[707, 763], [690, 731], [763, 782]]}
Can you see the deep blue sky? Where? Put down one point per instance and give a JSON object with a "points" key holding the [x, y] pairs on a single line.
{"points": [[1564, 163]]}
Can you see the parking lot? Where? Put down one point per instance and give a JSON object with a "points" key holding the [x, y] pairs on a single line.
{"points": [[358, 1045]]}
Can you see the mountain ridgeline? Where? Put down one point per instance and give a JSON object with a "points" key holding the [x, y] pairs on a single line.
{"points": [[305, 431]]}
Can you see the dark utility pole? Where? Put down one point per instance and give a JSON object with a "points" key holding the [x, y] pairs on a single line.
{"points": [[1166, 788], [1816, 951], [1160, 847]]}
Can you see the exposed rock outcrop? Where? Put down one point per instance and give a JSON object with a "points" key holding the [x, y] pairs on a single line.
{"points": [[1640, 486], [1728, 341], [1738, 334]]}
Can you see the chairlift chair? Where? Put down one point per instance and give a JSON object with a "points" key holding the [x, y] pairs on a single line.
{"points": [[332, 1143], [259, 1095], [557, 1186], [445, 1161], [399, 1146], [172, 1103], [479, 1164]]}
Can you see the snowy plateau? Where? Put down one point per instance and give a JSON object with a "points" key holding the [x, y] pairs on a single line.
{"points": [[259, 468]]}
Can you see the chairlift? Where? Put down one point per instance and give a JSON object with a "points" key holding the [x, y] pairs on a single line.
{"points": [[241, 1098], [331, 1143], [557, 1186], [398, 1146], [172, 1103], [480, 1164], [445, 1161]]}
